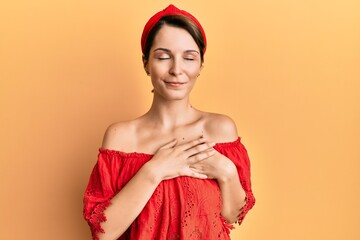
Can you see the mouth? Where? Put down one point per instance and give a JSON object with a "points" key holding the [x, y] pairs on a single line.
{"points": [[174, 83]]}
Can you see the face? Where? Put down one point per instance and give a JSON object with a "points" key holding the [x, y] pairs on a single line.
{"points": [[174, 63]]}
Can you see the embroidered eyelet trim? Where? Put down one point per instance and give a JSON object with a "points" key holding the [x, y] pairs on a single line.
{"points": [[250, 201], [226, 225], [96, 217]]}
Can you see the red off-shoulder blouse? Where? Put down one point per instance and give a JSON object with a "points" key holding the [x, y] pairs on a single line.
{"points": [[182, 208]]}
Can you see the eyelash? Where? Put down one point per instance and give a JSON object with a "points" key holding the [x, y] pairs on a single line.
{"points": [[162, 58]]}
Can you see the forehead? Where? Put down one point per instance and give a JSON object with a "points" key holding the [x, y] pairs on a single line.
{"points": [[174, 39]]}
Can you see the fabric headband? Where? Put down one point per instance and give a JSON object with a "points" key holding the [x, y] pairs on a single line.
{"points": [[170, 10]]}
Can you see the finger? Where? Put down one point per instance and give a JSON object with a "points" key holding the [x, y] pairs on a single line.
{"points": [[199, 148], [190, 144], [201, 156], [197, 167], [196, 174], [202, 171], [169, 144]]}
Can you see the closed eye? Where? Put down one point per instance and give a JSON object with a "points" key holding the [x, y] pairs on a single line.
{"points": [[190, 56]]}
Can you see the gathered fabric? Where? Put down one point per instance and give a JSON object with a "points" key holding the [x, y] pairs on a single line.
{"points": [[183, 208]]}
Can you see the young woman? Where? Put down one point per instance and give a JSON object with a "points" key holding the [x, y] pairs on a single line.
{"points": [[176, 172]]}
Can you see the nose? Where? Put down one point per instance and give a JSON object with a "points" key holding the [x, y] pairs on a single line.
{"points": [[175, 68]]}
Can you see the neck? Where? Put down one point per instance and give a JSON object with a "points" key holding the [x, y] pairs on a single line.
{"points": [[170, 114]]}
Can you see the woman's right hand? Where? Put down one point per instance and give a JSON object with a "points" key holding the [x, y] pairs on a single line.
{"points": [[172, 160]]}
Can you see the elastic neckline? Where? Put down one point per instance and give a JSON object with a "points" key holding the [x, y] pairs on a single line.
{"points": [[140, 154]]}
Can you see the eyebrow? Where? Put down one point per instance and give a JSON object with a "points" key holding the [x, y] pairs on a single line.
{"points": [[162, 49], [188, 51], [168, 50]]}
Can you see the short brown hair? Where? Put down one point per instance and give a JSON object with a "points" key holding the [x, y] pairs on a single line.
{"points": [[180, 22]]}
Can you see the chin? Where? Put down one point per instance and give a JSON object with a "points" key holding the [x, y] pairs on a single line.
{"points": [[174, 95]]}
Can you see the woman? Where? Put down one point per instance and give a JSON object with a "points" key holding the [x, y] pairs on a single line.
{"points": [[176, 172]]}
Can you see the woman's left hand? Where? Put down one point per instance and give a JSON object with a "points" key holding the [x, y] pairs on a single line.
{"points": [[217, 167], [225, 172]]}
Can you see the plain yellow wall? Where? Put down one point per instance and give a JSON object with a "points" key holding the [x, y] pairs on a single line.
{"points": [[288, 72]]}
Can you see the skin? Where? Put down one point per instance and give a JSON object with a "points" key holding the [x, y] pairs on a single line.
{"points": [[172, 129]]}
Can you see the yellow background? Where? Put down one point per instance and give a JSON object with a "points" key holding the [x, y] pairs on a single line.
{"points": [[288, 73]]}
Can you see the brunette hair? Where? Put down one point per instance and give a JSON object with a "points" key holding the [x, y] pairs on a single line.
{"points": [[180, 22]]}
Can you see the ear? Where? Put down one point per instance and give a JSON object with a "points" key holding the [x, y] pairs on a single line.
{"points": [[201, 68], [145, 64]]}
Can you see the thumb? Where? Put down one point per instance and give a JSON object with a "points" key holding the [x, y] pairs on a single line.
{"points": [[169, 144]]}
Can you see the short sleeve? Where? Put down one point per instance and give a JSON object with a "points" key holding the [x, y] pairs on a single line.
{"points": [[237, 152], [99, 191]]}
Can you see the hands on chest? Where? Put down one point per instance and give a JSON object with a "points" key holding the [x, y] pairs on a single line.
{"points": [[196, 158]]}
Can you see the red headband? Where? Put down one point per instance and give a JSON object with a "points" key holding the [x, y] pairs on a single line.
{"points": [[170, 10]]}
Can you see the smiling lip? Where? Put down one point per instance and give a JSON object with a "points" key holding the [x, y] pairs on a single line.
{"points": [[174, 84]]}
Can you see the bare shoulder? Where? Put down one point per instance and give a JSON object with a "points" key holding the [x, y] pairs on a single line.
{"points": [[220, 128], [117, 135]]}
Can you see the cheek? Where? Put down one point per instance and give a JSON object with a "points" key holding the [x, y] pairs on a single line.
{"points": [[159, 69], [194, 72]]}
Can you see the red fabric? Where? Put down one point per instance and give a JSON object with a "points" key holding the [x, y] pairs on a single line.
{"points": [[170, 10], [182, 208]]}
